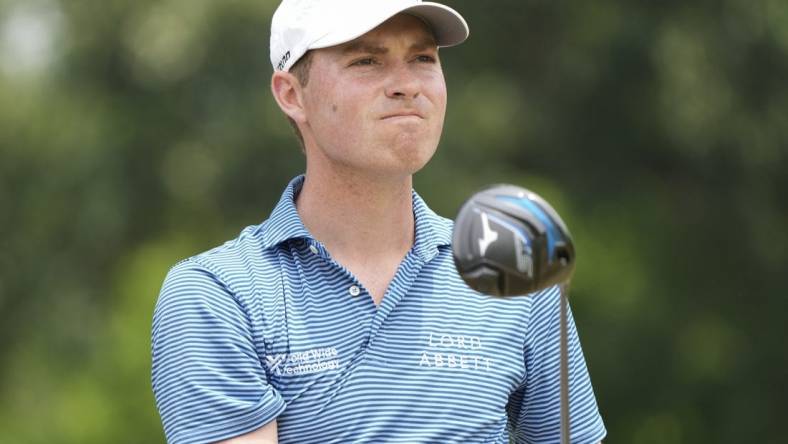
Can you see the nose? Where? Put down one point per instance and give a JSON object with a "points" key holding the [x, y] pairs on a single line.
{"points": [[403, 84]]}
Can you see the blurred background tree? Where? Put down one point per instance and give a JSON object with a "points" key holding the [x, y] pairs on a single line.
{"points": [[137, 133]]}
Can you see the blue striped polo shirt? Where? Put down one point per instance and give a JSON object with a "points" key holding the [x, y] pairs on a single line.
{"points": [[268, 326]]}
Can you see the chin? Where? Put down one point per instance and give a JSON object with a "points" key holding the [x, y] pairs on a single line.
{"points": [[414, 158], [399, 162]]}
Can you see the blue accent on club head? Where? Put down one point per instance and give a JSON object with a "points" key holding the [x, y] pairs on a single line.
{"points": [[530, 206]]}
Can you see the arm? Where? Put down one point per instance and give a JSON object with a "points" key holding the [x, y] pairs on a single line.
{"points": [[534, 409], [208, 380], [264, 435]]}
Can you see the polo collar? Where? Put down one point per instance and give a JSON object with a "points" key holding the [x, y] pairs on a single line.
{"points": [[284, 223], [432, 231]]}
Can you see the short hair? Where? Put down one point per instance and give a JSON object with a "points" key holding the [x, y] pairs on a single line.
{"points": [[301, 72]]}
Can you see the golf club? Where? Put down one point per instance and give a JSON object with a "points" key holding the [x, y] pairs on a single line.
{"points": [[507, 242]]}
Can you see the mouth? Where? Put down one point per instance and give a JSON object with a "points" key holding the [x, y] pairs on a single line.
{"points": [[405, 115]]}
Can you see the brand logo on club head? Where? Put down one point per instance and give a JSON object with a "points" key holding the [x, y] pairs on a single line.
{"points": [[523, 252], [488, 235]]}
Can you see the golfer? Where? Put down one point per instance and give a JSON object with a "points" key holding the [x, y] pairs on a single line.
{"points": [[341, 318]]}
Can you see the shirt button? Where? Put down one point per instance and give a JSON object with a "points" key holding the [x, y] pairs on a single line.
{"points": [[354, 290], [313, 249]]}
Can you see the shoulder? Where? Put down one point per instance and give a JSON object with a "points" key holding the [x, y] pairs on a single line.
{"points": [[235, 270], [236, 257]]}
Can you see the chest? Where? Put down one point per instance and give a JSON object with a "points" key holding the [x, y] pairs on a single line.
{"points": [[432, 348], [373, 275]]}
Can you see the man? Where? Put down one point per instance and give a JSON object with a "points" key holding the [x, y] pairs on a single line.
{"points": [[341, 318]]}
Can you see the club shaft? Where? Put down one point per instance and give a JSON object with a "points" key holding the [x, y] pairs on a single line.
{"points": [[564, 364]]}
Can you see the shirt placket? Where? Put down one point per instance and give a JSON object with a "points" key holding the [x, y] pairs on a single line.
{"points": [[398, 288]]}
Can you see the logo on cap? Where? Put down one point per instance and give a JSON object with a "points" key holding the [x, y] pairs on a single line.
{"points": [[283, 61]]}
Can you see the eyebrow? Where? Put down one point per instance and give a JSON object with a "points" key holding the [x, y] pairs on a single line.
{"points": [[365, 47], [375, 48], [426, 43]]}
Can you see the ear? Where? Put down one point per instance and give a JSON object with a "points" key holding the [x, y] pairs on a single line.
{"points": [[288, 94]]}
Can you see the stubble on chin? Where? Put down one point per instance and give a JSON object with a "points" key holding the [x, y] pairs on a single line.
{"points": [[412, 151]]}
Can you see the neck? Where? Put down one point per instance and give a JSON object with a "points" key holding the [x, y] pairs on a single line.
{"points": [[357, 217]]}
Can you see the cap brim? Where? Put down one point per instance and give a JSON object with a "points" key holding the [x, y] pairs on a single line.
{"points": [[448, 26]]}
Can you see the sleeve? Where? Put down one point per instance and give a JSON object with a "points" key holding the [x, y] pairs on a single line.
{"points": [[534, 409], [207, 377]]}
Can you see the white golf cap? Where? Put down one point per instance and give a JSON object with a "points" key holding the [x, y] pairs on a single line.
{"points": [[301, 25]]}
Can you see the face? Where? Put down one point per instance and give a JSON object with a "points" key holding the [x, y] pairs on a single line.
{"points": [[376, 104]]}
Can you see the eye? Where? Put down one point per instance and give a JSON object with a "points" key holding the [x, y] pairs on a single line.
{"points": [[366, 61], [426, 58]]}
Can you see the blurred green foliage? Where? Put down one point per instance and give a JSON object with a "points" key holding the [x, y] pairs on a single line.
{"points": [[136, 133]]}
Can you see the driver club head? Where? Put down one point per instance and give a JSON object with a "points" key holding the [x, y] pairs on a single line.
{"points": [[508, 241]]}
